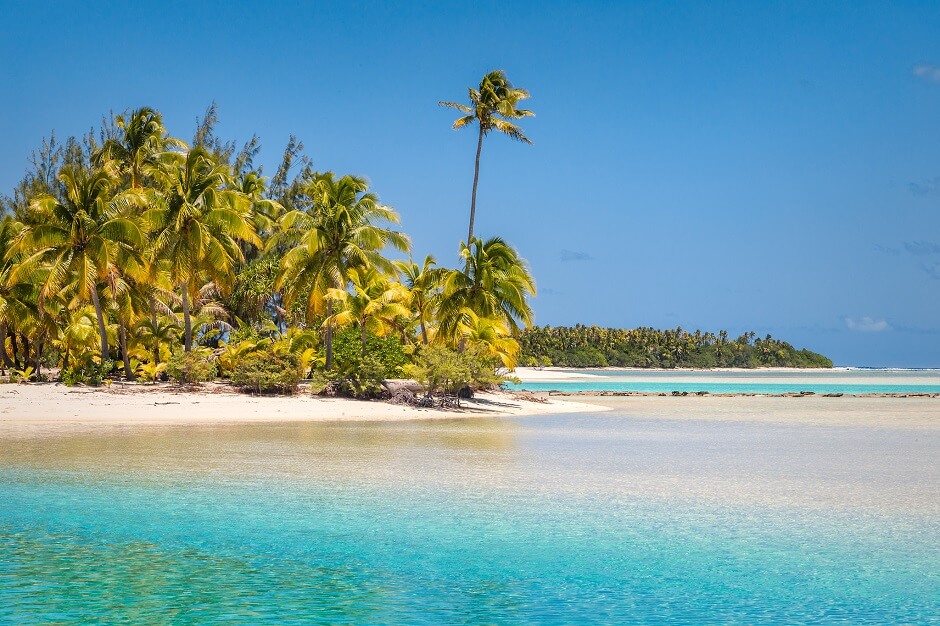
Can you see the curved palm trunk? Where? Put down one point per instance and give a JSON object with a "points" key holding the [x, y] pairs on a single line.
{"points": [[476, 178], [128, 373], [328, 337], [187, 322], [102, 329]]}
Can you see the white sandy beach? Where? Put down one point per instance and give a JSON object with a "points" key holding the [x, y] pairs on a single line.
{"points": [[41, 407]]}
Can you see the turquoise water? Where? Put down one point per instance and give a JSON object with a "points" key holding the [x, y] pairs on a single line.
{"points": [[719, 387], [756, 382], [555, 519]]}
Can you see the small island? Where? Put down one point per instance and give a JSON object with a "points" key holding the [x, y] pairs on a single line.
{"points": [[591, 346]]}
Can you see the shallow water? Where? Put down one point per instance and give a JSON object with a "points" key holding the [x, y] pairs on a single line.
{"points": [[742, 381], [582, 517]]}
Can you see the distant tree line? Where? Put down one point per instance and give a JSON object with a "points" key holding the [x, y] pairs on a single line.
{"points": [[592, 346]]}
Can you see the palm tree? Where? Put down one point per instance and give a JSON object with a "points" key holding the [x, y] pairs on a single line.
{"points": [[142, 138], [494, 283], [197, 224], [78, 238], [491, 336], [338, 233], [423, 282], [15, 296], [373, 304], [491, 107]]}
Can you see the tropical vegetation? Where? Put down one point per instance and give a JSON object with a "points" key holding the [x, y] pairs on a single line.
{"points": [[591, 346], [132, 253]]}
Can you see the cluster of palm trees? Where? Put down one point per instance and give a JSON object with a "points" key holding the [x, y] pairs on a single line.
{"points": [[133, 246], [592, 346]]}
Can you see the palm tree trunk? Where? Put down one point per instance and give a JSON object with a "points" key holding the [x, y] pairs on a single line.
{"points": [[15, 349], [102, 329], [39, 343], [476, 177], [328, 337], [424, 333], [364, 337], [128, 374], [153, 321], [187, 323], [5, 360]]}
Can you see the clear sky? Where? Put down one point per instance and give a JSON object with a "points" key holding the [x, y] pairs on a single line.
{"points": [[752, 165]]}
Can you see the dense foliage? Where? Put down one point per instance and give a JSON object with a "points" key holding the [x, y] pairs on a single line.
{"points": [[591, 346], [132, 253]]}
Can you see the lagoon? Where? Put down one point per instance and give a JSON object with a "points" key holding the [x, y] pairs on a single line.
{"points": [[843, 380], [602, 517]]}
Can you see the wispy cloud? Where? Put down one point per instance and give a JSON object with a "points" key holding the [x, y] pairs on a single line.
{"points": [[926, 187], [922, 248], [867, 324], [887, 250], [575, 255], [928, 71], [932, 270]]}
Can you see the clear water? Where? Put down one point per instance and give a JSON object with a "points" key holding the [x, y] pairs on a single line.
{"points": [[554, 519], [741, 382]]}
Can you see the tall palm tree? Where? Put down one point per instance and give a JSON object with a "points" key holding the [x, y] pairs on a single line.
{"points": [[197, 224], [78, 238], [491, 108], [495, 282], [341, 231]]}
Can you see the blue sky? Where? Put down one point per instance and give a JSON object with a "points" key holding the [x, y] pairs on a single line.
{"points": [[750, 165]]}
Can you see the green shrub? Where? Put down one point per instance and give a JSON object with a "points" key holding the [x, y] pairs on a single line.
{"points": [[267, 372], [319, 382], [196, 366], [88, 373], [358, 376], [387, 351]]}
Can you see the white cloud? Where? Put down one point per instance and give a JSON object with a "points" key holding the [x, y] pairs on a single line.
{"points": [[575, 255], [867, 324], [928, 72]]}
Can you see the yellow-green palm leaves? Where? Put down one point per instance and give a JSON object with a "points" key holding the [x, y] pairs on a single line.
{"points": [[495, 282], [133, 153], [491, 108], [73, 242], [424, 285], [196, 224], [342, 230], [374, 302]]}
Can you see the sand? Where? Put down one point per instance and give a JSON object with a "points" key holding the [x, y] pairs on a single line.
{"points": [[53, 406], [920, 413]]}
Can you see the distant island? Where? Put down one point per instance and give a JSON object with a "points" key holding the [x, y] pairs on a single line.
{"points": [[592, 346]]}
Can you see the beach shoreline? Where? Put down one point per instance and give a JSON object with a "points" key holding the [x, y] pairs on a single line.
{"points": [[38, 408], [54, 406]]}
